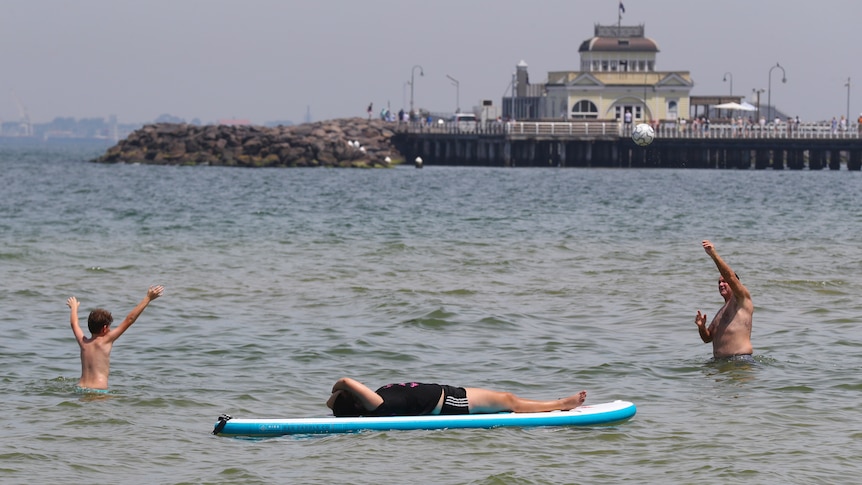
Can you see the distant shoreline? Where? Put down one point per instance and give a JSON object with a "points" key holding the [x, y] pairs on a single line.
{"points": [[34, 141]]}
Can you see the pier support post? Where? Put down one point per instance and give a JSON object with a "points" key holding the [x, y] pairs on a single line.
{"points": [[854, 160], [815, 159], [794, 159], [761, 159], [834, 160], [777, 159]]}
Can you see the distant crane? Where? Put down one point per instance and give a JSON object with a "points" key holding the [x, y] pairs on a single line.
{"points": [[25, 127]]}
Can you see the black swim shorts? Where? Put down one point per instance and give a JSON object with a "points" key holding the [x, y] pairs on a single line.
{"points": [[454, 400]]}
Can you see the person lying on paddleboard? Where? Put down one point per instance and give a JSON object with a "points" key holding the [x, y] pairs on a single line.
{"points": [[730, 330], [352, 398]]}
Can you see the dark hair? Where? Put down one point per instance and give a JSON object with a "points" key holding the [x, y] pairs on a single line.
{"points": [[99, 319], [345, 406]]}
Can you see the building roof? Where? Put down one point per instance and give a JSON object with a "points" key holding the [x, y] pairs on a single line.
{"points": [[599, 78], [614, 38], [605, 44]]}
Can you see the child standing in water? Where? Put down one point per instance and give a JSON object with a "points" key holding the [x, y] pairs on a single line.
{"points": [[96, 349]]}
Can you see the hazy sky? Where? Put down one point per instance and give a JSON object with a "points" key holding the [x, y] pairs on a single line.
{"points": [[268, 60]]}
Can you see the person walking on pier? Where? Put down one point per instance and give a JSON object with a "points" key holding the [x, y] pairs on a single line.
{"points": [[730, 330]]}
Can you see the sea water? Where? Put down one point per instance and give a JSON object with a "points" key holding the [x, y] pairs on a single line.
{"points": [[541, 282]]}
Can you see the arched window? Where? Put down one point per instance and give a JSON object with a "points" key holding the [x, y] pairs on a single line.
{"points": [[672, 110], [585, 109]]}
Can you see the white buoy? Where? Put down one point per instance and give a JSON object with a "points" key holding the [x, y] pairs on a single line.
{"points": [[418, 162], [387, 160]]}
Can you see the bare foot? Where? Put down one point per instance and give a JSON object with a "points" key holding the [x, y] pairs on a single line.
{"points": [[572, 402]]}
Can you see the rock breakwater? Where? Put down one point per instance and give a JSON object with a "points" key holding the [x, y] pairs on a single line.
{"points": [[347, 142]]}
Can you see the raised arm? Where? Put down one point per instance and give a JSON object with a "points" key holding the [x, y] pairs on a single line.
{"points": [[72, 302], [152, 293], [369, 399], [739, 290]]}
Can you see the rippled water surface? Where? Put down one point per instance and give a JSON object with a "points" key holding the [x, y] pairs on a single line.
{"points": [[538, 281]]}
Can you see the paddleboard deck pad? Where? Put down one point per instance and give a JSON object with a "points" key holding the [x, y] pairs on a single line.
{"points": [[589, 415]]}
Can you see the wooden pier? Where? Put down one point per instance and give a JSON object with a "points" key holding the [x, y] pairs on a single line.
{"points": [[607, 144]]}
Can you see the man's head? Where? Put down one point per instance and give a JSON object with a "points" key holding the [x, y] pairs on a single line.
{"points": [[99, 320], [724, 287], [345, 406]]}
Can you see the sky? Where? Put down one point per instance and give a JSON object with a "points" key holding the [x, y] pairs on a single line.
{"points": [[281, 60]]}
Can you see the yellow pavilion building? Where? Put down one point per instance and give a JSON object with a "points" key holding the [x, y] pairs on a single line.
{"points": [[617, 80]]}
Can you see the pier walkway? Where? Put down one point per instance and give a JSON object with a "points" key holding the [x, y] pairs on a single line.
{"points": [[792, 146]]}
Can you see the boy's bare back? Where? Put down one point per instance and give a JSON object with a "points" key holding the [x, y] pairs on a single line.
{"points": [[96, 349]]}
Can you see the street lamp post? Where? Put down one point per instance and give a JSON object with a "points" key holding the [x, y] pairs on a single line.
{"points": [[848, 101], [769, 92], [644, 116], [726, 75], [412, 82], [757, 113], [457, 93]]}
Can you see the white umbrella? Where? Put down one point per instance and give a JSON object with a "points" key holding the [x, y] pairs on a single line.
{"points": [[735, 106], [728, 106]]}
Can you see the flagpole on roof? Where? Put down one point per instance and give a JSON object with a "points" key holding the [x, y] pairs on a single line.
{"points": [[620, 12]]}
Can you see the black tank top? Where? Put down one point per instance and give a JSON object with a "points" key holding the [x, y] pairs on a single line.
{"points": [[408, 399]]}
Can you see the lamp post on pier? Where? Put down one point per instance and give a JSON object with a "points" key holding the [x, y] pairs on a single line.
{"points": [[730, 75], [457, 93], [769, 92], [757, 113], [413, 81], [848, 100]]}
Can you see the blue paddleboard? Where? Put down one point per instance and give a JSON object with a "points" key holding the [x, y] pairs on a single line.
{"points": [[589, 415]]}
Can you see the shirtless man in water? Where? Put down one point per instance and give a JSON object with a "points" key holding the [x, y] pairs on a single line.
{"points": [[96, 349], [730, 330]]}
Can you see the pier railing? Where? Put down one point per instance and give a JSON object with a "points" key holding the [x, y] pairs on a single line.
{"points": [[590, 129]]}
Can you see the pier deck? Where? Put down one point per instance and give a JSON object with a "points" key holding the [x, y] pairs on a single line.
{"points": [[814, 146]]}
